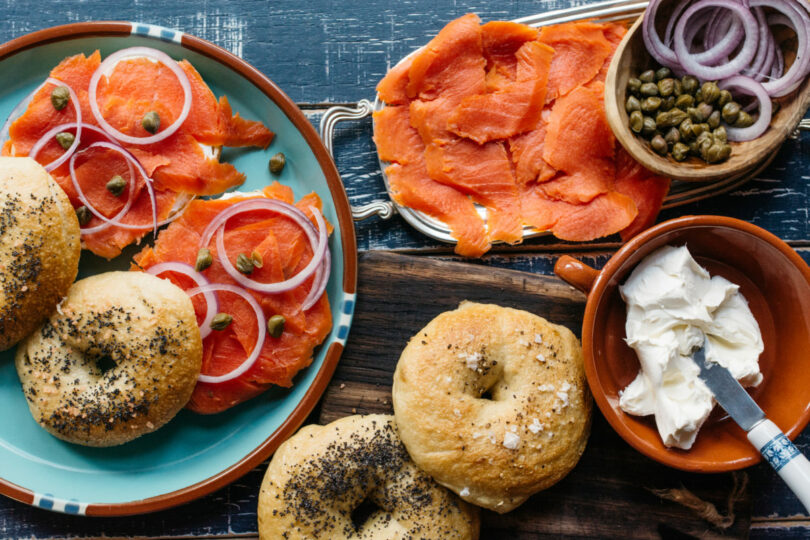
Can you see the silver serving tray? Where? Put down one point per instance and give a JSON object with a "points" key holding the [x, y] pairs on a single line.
{"points": [[680, 193]]}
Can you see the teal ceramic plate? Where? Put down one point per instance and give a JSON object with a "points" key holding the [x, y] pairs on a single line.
{"points": [[192, 455]]}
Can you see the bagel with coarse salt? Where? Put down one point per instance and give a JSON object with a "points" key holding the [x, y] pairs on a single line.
{"points": [[39, 247], [118, 359], [492, 403], [352, 479]]}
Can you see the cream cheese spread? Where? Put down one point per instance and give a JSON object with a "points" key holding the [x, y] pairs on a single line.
{"points": [[672, 303]]}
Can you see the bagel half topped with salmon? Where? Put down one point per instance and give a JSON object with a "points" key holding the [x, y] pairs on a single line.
{"points": [[256, 267], [131, 139]]}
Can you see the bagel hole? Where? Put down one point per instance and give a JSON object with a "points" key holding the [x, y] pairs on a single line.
{"points": [[105, 364], [487, 394], [363, 511]]}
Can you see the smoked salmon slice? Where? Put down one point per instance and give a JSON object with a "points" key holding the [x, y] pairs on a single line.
{"points": [[393, 87], [284, 250], [513, 109], [579, 142], [527, 155], [485, 173], [646, 189], [580, 51], [501, 40], [178, 165]]}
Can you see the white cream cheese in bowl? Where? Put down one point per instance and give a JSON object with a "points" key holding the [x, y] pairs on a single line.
{"points": [[672, 303]]}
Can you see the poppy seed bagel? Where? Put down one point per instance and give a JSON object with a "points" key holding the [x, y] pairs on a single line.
{"points": [[39, 247], [119, 358]]}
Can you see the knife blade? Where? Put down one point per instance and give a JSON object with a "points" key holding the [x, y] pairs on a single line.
{"points": [[775, 447], [728, 392]]}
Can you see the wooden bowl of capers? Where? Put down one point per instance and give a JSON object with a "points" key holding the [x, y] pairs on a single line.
{"points": [[676, 126]]}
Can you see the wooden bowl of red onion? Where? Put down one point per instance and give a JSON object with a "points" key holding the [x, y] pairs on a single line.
{"points": [[761, 54]]}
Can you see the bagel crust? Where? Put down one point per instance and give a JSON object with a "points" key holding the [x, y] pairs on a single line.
{"points": [[118, 359], [495, 452], [322, 474], [39, 247]]}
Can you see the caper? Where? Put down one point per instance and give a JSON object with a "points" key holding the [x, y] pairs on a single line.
{"points": [[743, 120], [668, 103], [693, 148], [83, 214], [275, 325], [697, 129], [662, 119], [725, 97], [694, 115], [65, 139], [221, 321], [680, 151], [633, 85], [666, 87], [705, 110], [649, 127], [632, 104], [204, 259], [730, 112], [704, 142], [698, 96], [725, 152], [647, 77], [151, 122], [116, 185], [672, 136], [716, 152], [689, 84], [720, 134], [677, 89], [677, 116], [710, 92], [244, 264], [649, 89], [60, 97], [686, 129], [256, 259], [659, 145], [714, 119], [277, 163], [663, 73], [670, 118], [684, 101], [651, 104], [636, 121]]}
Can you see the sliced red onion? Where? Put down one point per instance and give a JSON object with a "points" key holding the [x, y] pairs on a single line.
{"points": [[750, 86], [662, 54], [319, 252], [147, 180], [673, 18], [319, 285], [722, 47], [743, 58], [74, 100], [153, 54], [257, 348], [187, 270], [799, 21]]}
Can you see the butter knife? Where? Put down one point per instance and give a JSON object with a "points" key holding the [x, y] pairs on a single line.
{"points": [[774, 446]]}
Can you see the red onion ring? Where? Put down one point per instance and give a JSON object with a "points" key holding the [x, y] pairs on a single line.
{"points": [[257, 348], [187, 270], [47, 137], [319, 252], [750, 86], [673, 18], [800, 23], [153, 54], [319, 285], [690, 61], [141, 171], [662, 54]]}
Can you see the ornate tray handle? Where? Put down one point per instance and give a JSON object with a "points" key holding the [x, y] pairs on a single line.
{"points": [[384, 209]]}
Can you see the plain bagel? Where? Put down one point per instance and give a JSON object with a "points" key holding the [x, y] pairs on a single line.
{"points": [[353, 479], [492, 403], [118, 359], [39, 247]]}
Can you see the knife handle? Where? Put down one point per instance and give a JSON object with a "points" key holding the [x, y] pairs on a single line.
{"points": [[784, 457]]}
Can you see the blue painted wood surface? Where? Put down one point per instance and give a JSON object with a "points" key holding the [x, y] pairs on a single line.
{"points": [[323, 52]]}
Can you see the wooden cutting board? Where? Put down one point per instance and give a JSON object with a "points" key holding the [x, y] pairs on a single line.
{"points": [[607, 495]]}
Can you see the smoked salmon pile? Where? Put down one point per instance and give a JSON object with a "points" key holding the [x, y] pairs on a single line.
{"points": [[279, 250], [112, 173], [512, 118]]}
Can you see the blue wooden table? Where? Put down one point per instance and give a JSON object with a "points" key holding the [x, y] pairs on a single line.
{"points": [[326, 52]]}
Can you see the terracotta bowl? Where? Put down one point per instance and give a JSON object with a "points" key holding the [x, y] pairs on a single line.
{"points": [[776, 283]]}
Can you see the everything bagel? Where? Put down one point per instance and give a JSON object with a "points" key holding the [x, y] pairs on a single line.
{"points": [[492, 403], [118, 359]]}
